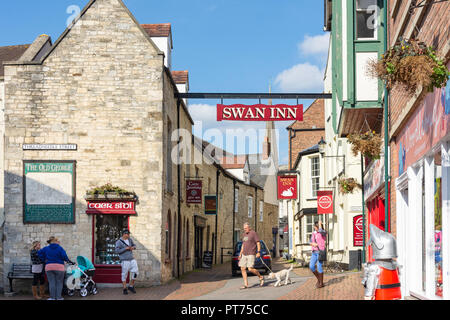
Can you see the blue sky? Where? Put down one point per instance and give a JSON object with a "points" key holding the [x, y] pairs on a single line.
{"points": [[227, 45]]}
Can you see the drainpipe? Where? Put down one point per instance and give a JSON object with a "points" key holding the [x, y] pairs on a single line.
{"points": [[179, 192], [386, 129], [256, 211], [234, 212], [217, 213], [363, 211]]}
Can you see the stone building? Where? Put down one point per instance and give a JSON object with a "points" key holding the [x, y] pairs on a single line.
{"points": [[99, 106]]}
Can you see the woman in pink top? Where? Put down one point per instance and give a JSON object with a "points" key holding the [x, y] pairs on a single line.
{"points": [[317, 243]]}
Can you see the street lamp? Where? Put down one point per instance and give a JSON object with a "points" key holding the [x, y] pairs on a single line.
{"points": [[322, 145]]}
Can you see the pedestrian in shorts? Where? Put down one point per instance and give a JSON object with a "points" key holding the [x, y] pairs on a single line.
{"points": [[124, 248], [250, 251]]}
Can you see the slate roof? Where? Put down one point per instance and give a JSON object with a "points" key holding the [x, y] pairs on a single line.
{"points": [[11, 53]]}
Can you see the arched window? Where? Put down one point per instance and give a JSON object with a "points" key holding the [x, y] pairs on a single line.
{"points": [[168, 235], [187, 238]]}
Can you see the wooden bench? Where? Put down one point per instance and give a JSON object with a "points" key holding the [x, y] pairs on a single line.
{"points": [[19, 271]]}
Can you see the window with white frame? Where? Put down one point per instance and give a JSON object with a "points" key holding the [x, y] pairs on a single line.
{"points": [[250, 206], [367, 19], [310, 220], [315, 176], [261, 211]]}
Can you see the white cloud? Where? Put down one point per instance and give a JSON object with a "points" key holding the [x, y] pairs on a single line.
{"points": [[303, 77], [315, 45]]}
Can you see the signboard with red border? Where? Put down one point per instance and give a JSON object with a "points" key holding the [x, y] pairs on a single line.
{"points": [[194, 191], [111, 207], [325, 202], [259, 112], [358, 231], [287, 187]]}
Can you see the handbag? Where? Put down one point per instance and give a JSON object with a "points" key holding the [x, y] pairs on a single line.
{"points": [[323, 255]]}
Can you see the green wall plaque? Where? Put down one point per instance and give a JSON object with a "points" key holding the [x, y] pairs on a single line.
{"points": [[49, 192]]}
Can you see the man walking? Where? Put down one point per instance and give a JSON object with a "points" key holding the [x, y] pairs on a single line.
{"points": [[124, 248], [250, 251]]}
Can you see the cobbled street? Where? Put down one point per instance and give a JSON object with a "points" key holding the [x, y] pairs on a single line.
{"points": [[218, 284]]}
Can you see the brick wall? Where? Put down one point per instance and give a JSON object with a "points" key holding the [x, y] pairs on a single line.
{"points": [[434, 29], [311, 130]]}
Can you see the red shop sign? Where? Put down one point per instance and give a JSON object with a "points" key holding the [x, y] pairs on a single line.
{"points": [[358, 231], [111, 207], [287, 187], [324, 202], [259, 112], [194, 191]]}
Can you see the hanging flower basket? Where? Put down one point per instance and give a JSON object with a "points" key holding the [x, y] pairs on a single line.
{"points": [[369, 144], [348, 185], [108, 191], [410, 64]]}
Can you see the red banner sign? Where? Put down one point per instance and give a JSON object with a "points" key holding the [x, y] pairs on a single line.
{"points": [[358, 231], [259, 112], [324, 202], [111, 207], [287, 187], [194, 191]]}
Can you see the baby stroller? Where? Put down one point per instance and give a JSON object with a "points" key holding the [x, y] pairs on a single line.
{"points": [[80, 278]]}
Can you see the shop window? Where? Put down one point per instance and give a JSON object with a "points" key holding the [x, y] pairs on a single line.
{"points": [[367, 19], [438, 224], [423, 242], [108, 230], [315, 176]]}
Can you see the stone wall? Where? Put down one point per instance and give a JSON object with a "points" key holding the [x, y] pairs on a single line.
{"points": [[2, 217], [100, 88]]}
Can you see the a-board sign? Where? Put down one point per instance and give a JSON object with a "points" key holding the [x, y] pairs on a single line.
{"points": [[207, 259]]}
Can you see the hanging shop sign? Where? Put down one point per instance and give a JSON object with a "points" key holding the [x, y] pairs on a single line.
{"points": [[259, 112], [428, 125], [287, 187], [325, 202], [358, 231], [49, 192], [194, 191], [111, 207], [210, 205]]}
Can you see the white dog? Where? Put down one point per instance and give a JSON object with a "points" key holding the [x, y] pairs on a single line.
{"points": [[280, 274]]}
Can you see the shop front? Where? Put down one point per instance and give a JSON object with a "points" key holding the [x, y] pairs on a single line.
{"points": [[374, 194], [423, 198], [109, 218]]}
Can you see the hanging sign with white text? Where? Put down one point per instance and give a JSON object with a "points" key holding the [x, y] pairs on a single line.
{"points": [[259, 112], [324, 202], [287, 187]]}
